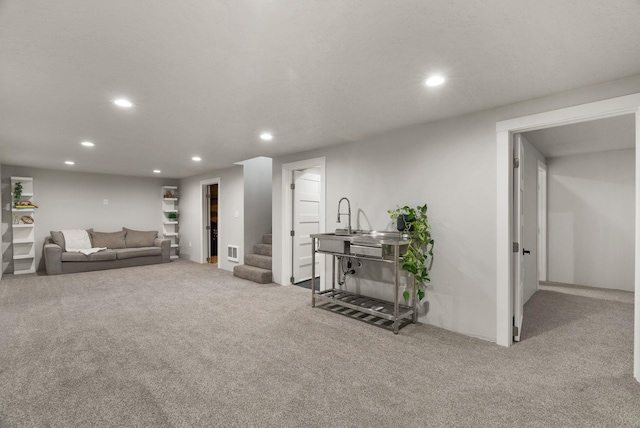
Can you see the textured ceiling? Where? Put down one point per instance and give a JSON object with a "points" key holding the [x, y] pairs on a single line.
{"points": [[614, 133], [208, 76]]}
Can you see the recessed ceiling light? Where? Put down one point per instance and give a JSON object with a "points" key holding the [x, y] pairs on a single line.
{"points": [[266, 136], [122, 102], [196, 158], [157, 171], [87, 144], [70, 162], [434, 81]]}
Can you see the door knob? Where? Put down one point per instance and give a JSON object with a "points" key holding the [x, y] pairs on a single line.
{"points": [[525, 252]]}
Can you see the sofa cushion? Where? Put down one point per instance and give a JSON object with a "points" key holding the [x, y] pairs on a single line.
{"points": [[57, 237], [112, 240], [139, 238], [130, 253], [74, 256]]}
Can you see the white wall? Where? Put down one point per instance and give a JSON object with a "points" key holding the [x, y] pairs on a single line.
{"points": [[257, 200], [230, 226], [591, 215], [451, 165], [530, 208], [75, 200]]}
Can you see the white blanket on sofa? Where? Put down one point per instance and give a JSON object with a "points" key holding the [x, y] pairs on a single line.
{"points": [[78, 240]]}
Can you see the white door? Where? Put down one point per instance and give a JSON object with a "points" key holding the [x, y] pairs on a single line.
{"points": [[306, 221], [518, 234]]}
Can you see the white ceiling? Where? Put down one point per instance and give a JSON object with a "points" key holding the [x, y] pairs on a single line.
{"points": [[614, 133], [208, 76]]}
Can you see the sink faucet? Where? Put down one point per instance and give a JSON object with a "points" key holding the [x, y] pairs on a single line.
{"points": [[348, 213]]}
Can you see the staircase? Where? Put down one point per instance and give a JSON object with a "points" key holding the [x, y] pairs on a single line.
{"points": [[257, 267]]}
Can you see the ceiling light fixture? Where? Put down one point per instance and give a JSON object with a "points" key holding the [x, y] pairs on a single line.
{"points": [[70, 162], [122, 102], [87, 144], [266, 136], [434, 81], [196, 158], [156, 171]]}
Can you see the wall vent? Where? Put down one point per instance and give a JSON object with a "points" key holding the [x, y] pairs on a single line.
{"points": [[232, 253]]}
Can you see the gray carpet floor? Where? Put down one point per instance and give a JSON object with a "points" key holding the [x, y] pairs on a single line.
{"points": [[184, 344]]}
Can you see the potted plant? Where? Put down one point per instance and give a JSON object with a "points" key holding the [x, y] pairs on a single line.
{"points": [[172, 216], [17, 193], [418, 258]]}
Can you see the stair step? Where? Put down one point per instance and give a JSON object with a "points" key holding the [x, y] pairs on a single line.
{"points": [[267, 239], [263, 249], [258, 260], [252, 273]]}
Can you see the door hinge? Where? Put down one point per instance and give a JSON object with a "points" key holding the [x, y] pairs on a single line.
{"points": [[292, 279], [516, 247], [293, 186], [515, 330], [208, 227], [516, 162], [293, 233]]}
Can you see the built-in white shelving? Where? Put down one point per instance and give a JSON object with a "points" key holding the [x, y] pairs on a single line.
{"points": [[23, 243], [170, 220]]}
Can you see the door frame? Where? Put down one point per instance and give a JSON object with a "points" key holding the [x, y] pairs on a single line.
{"points": [[287, 177], [204, 217], [628, 104]]}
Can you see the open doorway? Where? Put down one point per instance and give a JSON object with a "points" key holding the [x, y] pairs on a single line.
{"points": [[505, 301], [212, 228], [209, 224], [586, 204]]}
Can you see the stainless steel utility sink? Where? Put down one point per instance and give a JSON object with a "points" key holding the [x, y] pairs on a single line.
{"points": [[373, 244]]}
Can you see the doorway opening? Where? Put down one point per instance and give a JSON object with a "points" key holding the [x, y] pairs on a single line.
{"points": [[212, 253], [506, 130], [303, 213], [209, 221]]}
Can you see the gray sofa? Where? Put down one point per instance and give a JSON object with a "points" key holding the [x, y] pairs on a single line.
{"points": [[124, 249]]}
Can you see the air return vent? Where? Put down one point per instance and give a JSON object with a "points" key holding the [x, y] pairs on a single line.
{"points": [[232, 253]]}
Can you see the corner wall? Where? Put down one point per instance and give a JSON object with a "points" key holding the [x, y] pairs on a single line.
{"points": [[75, 200], [591, 222], [257, 200]]}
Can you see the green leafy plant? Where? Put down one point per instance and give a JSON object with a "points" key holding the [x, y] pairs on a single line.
{"points": [[172, 216], [418, 258], [17, 193]]}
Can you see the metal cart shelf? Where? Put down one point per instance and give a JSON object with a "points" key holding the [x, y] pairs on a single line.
{"points": [[390, 315]]}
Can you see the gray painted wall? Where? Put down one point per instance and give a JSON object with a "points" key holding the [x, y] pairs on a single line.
{"points": [[591, 219], [451, 165], [257, 200], [530, 208], [230, 226], [75, 200]]}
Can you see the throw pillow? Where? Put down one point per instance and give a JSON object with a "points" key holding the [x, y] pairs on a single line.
{"points": [[139, 238], [58, 238], [112, 240]]}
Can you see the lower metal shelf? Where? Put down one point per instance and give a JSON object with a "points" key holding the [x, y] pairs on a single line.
{"points": [[373, 311]]}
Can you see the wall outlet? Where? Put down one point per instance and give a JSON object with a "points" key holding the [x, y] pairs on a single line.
{"points": [[189, 244], [106, 201]]}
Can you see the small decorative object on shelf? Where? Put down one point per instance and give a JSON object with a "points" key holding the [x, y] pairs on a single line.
{"points": [[27, 219], [170, 195], [17, 193]]}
